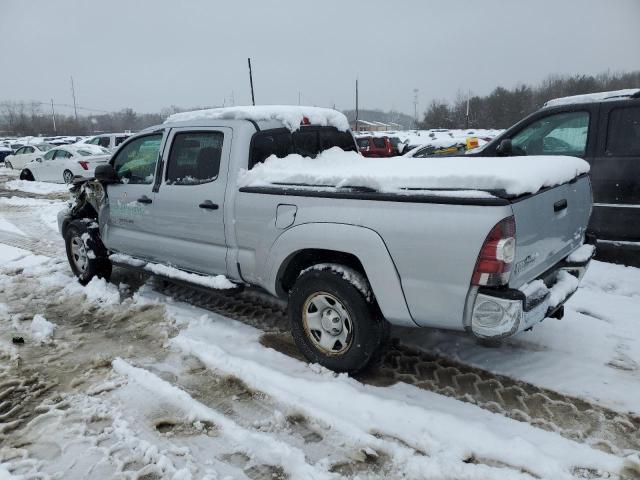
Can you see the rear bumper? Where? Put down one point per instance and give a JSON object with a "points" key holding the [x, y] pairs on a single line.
{"points": [[499, 313]]}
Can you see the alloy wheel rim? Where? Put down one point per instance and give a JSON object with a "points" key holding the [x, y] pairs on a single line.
{"points": [[327, 323], [79, 254]]}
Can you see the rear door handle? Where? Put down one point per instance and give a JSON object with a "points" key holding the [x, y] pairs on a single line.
{"points": [[560, 205], [144, 199], [208, 204]]}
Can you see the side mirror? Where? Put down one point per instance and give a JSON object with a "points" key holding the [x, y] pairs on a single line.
{"points": [[505, 148], [39, 160], [106, 174]]}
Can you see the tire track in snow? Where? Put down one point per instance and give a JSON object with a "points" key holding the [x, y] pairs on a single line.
{"points": [[574, 418]]}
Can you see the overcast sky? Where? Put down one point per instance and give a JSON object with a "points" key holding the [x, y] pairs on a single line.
{"points": [[152, 54]]}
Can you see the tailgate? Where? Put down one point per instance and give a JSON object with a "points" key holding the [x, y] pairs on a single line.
{"points": [[549, 226]]}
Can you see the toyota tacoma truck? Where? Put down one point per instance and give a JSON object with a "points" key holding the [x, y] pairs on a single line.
{"points": [[179, 200]]}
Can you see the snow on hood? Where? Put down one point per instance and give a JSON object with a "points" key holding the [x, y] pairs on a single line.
{"points": [[337, 168], [290, 116], [593, 97]]}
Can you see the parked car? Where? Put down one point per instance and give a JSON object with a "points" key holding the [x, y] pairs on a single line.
{"points": [[25, 154], [62, 164], [375, 146], [347, 260], [110, 141], [5, 151], [436, 151], [604, 129]]}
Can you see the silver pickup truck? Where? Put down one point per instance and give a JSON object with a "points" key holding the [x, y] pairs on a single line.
{"points": [[349, 261]]}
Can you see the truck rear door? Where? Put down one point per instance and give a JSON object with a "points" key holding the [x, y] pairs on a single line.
{"points": [[189, 201]]}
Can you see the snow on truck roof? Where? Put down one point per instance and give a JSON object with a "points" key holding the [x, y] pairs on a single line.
{"points": [[460, 176], [290, 116], [594, 97]]}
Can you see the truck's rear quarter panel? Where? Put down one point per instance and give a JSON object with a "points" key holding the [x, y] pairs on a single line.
{"points": [[434, 246]]}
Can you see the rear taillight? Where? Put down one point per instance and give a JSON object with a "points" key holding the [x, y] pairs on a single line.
{"points": [[84, 164], [493, 266]]}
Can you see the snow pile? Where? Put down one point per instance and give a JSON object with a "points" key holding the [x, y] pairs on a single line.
{"points": [[593, 97], [336, 168], [582, 254], [290, 116], [42, 188], [354, 278], [565, 285], [100, 291], [41, 329], [612, 279], [8, 172], [218, 282]]}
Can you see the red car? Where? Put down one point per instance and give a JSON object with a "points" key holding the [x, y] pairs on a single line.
{"points": [[375, 147]]}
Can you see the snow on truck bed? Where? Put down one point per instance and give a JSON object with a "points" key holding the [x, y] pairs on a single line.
{"points": [[470, 176], [290, 116]]}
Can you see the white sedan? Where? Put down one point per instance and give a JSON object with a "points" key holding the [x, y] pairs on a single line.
{"points": [[25, 154], [61, 164]]}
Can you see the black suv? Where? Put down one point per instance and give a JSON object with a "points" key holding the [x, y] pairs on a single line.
{"points": [[604, 129]]}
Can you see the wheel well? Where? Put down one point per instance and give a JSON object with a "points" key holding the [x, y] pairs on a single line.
{"points": [[298, 261]]}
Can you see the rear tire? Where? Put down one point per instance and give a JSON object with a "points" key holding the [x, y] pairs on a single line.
{"points": [[8, 165], [84, 264], [333, 323], [67, 176], [26, 175]]}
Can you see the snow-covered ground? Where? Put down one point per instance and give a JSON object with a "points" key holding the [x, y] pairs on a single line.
{"points": [[120, 380]]}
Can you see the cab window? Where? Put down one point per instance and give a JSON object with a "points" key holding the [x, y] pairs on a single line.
{"points": [[194, 158], [623, 132], [135, 162], [559, 134]]}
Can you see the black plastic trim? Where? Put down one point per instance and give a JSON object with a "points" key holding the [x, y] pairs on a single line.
{"points": [[353, 194]]}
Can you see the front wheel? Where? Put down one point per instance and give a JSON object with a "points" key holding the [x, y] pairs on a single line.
{"points": [[85, 252], [26, 175], [333, 321], [67, 176]]}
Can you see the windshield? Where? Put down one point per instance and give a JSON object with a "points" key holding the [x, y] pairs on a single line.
{"points": [[308, 142], [43, 147]]}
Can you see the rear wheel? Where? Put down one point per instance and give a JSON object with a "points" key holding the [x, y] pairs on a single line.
{"points": [[26, 175], [67, 176], [8, 165], [85, 252], [333, 322]]}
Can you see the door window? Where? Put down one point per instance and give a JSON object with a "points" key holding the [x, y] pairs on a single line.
{"points": [[93, 141], [119, 140], [20, 151], [623, 133], [49, 155], [136, 161], [103, 142], [28, 150], [559, 134], [62, 154], [194, 158]]}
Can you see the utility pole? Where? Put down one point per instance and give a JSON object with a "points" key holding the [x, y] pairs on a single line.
{"points": [[357, 105], [415, 108], [53, 116], [73, 94], [253, 98], [468, 98]]}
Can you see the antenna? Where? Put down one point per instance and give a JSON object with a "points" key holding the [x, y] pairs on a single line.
{"points": [[415, 108], [253, 98], [73, 94]]}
